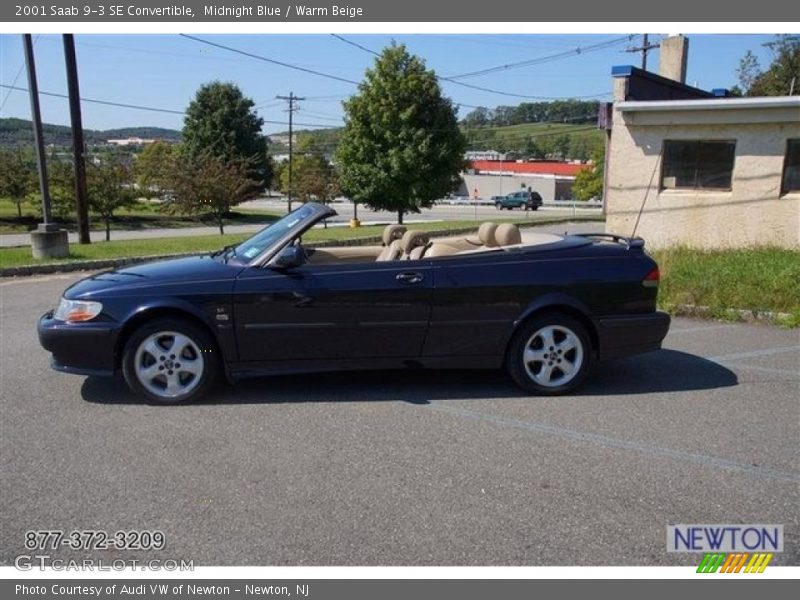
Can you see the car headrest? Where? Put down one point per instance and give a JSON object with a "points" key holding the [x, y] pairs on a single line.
{"points": [[507, 234], [392, 232], [413, 239], [486, 233]]}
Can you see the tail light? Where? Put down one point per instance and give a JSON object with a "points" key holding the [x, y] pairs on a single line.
{"points": [[652, 278]]}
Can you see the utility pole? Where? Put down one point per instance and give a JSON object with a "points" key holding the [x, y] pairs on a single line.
{"points": [[291, 99], [38, 139], [48, 240], [81, 199], [644, 49]]}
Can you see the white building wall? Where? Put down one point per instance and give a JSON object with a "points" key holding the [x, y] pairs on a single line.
{"points": [[752, 213]]}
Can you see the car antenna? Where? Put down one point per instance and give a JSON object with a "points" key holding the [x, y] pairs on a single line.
{"points": [[650, 183]]}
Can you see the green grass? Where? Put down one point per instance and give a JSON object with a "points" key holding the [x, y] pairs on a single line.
{"points": [[758, 279], [21, 256], [142, 215]]}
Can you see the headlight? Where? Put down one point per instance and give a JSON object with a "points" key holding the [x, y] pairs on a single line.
{"points": [[73, 311]]}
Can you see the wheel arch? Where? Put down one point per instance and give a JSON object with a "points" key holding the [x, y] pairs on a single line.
{"points": [[150, 313], [558, 303]]}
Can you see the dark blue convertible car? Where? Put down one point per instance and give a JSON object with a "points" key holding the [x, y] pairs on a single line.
{"points": [[545, 309]]}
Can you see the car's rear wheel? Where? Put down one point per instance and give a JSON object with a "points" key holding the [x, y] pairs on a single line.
{"points": [[550, 354], [169, 361]]}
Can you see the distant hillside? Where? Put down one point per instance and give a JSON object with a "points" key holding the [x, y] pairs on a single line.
{"points": [[19, 132], [532, 140]]}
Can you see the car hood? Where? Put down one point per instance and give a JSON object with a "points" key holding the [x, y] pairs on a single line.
{"points": [[177, 270]]}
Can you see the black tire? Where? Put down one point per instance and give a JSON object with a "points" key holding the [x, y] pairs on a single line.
{"points": [[203, 348], [498, 205], [530, 378]]}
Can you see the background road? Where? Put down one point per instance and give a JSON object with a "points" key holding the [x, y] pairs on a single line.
{"points": [[421, 468]]}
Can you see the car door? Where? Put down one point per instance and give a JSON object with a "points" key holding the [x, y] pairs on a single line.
{"points": [[346, 311]]}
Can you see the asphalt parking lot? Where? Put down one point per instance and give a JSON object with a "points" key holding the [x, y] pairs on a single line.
{"points": [[420, 468]]}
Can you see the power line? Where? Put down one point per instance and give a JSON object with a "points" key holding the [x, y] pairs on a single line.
{"points": [[545, 59], [95, 101], [265, 59], [19, 72], [149, 108], [356, 44], [477, 87]]}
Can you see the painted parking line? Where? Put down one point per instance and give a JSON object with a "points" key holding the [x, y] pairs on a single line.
{"points": [[774, 371], [43, 279], [586, 437], [699, 328], [754, 353]]}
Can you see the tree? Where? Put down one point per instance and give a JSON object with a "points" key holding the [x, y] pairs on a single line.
{"points": [[208, 184], [589, 182], [480, 117], [401, 147], [153, 167], [781, 78], [17, 177], [109, 187], [61, 178], [221, 123], [313, 178], [748, 70]]}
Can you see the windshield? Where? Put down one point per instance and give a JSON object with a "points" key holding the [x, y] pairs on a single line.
{"points": [[267, 237]]}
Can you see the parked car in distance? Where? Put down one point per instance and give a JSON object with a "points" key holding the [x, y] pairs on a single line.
{"points": [[545, 309], [522, 199]]}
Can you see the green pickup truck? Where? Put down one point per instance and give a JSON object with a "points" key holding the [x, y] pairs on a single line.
{"points": [[521, 199]]}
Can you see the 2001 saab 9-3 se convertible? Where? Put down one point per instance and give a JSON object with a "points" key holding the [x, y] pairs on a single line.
{"points": [[545, 309]]}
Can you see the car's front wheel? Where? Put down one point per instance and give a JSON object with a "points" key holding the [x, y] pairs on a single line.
{"points": [[498, 205], [169, 361], [550, 354]]}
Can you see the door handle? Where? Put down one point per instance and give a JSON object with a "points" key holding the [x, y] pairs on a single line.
{"points": [[409, 277]]}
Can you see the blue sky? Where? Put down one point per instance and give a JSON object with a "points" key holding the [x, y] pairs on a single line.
{"points": [[165, 70]]}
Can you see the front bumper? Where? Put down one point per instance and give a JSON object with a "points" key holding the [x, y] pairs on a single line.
{"points": [[79, 348], [631, 334]]}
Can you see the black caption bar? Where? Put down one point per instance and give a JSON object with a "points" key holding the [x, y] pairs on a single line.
{"points": [[463, 11], [342, 589]]}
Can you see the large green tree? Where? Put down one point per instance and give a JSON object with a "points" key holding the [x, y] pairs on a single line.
{"points": [[17, 177], [781, 78], [401, 147], [221, 122]]}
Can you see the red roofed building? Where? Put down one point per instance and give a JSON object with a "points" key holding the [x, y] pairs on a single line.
{"points": [[560, 169], [553, 180]]}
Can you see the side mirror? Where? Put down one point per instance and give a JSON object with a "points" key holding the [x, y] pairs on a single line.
{"points": [[290, 257]]}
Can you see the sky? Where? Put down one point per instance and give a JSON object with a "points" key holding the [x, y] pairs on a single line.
{"points": [[164, 71]]}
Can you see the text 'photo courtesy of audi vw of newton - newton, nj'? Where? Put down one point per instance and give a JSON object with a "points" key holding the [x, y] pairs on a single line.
{"points": [[546, 309]]}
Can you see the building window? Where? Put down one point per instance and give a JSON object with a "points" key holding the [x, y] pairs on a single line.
{"points": [[697, 164], [791, 167]]}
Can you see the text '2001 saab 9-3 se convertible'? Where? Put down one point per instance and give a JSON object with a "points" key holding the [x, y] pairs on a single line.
{"points": [[545, 309]]}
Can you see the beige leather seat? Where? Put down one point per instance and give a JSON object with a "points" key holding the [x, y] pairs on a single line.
{"points": [[414, 244], [507, 234], [438, 249], [486, 234], [393, 248]]}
